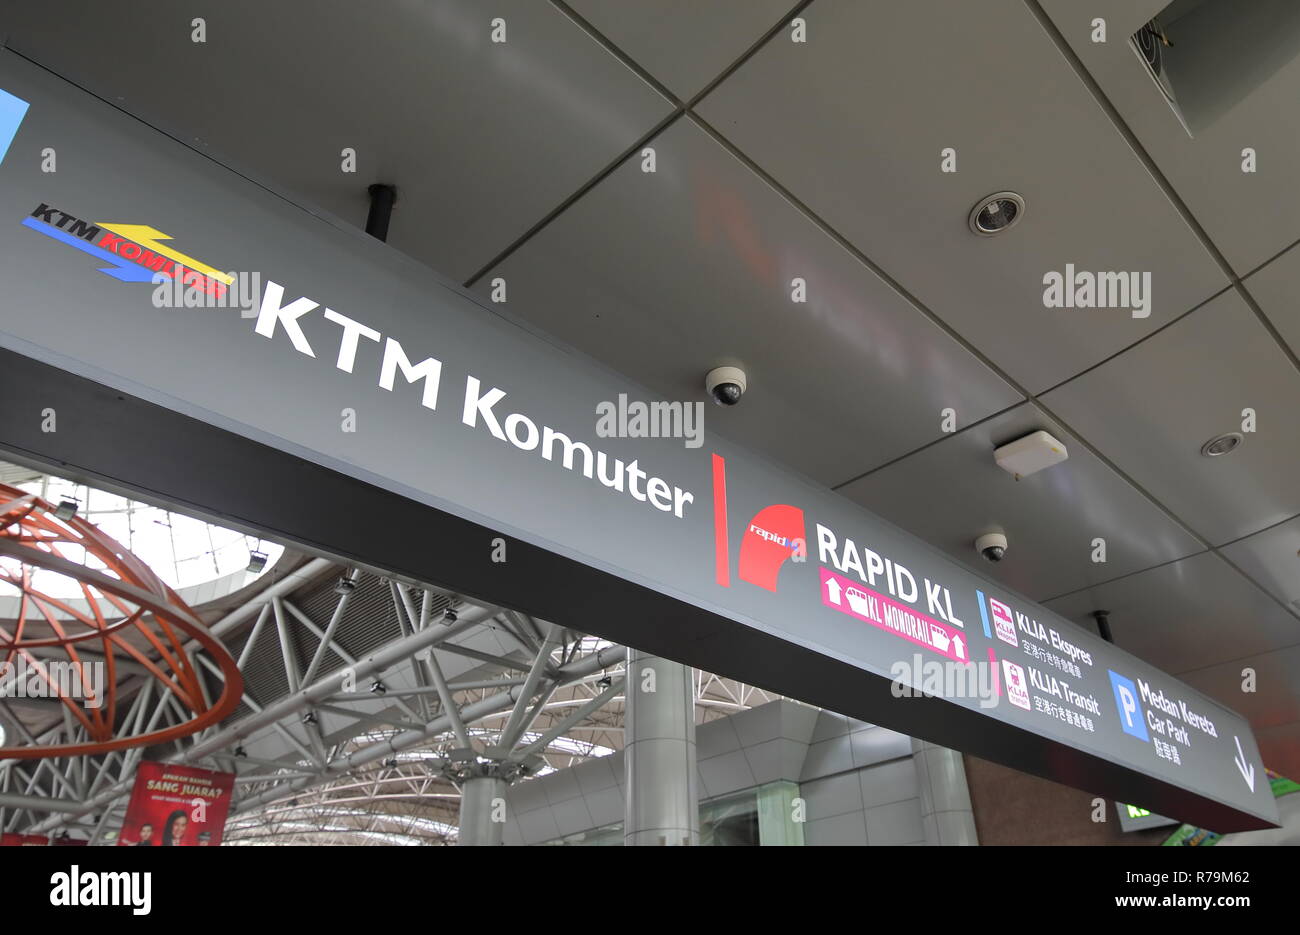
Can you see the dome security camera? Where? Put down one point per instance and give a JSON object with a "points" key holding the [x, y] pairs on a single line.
{"points": [[991, 545], [725, 384]]}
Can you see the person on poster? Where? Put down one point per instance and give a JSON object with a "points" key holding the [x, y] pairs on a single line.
{"points": [[174, 830], [146, 836], [155, 802]]}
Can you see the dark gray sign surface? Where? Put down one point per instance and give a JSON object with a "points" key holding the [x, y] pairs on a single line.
{"points": [[459, 408]]}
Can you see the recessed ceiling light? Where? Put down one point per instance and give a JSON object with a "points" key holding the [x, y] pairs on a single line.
{"points": [[996, 213], [1222, 444]]}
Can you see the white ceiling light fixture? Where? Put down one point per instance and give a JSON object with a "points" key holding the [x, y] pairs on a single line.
{"points": [[996, 213], [1222, 444], [1030, 454]]}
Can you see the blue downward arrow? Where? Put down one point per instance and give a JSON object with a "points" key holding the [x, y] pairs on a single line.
{"points": [[121, 269]]}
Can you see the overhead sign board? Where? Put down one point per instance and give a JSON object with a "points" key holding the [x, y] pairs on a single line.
{"points": [[128, 265]]}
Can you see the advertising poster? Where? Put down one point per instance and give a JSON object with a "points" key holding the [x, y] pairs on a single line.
{"points": [[11, 839], [177, 806]]}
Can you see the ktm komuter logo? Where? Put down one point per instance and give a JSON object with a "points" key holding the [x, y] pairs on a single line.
{"points": [[133, 252]]}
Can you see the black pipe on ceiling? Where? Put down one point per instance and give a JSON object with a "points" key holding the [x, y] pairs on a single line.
{"points": [[382, 199], [1103, 624]]}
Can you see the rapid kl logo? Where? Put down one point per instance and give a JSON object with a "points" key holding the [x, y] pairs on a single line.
{"points": [[134, 252], [775, 534], [881, 593]]}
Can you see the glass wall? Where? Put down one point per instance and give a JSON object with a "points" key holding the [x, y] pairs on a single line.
{"points": [[768, 815], [730, 821]]}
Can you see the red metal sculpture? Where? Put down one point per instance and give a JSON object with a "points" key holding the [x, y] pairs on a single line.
{"points": [[128, 613]]}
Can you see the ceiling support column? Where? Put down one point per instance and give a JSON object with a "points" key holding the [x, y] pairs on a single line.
{"points": [[946, 811], [662, 806], [483, 809]]}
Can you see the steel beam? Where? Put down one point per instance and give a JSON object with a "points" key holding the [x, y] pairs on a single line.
{"points": [[383, 658]]}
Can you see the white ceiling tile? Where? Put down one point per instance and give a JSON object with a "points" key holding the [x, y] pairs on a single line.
{"points": [[481, 139], [1187, 615], [665, 275], [1272, 559], [952, 492], [1274, 698], [685, 44], [1152, 408], [854, 121], [1249, 216], [1276, 288]]}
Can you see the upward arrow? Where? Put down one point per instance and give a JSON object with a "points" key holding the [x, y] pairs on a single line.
{"points": [[1247, 772], [833, 590]]}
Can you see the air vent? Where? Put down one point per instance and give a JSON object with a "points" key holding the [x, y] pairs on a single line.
{"points": [[1207, 56], [1150, 43], [1148, 40]]}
